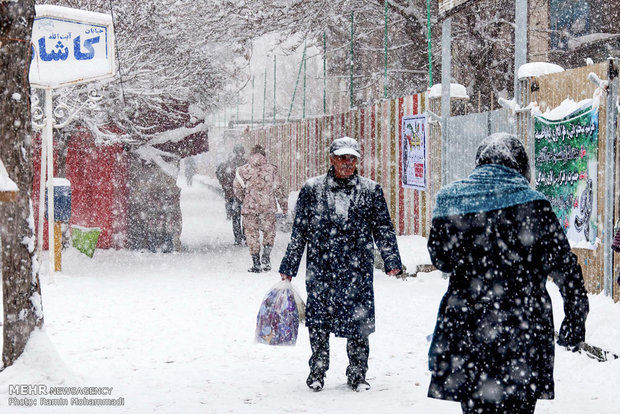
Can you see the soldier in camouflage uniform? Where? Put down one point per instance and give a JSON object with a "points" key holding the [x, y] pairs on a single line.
{"points": [[258, 186]]}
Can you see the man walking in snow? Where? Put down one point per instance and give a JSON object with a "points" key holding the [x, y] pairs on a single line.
{"points": [[225, 173], [339, 216], [258, 186]]}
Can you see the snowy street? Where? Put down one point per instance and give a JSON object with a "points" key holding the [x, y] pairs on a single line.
{"points": [[174, 333]]}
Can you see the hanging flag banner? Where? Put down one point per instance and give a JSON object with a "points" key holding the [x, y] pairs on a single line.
{"points": [[566, 165], [70, 46], [413, 150]]}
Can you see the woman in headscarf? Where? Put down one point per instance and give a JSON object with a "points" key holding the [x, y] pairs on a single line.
{"points": [[499, 240]]}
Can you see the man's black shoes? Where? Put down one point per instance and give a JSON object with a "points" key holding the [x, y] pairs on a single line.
{"points": [[315, 381], [358, 384]]}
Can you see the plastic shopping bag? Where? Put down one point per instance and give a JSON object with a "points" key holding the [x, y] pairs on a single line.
{"points": [[277, 322]]}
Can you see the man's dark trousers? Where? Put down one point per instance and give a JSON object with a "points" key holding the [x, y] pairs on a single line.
{"points": [[357, 350]]}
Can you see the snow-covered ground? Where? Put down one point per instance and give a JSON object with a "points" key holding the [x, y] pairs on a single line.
{"points": [[173, 333]]}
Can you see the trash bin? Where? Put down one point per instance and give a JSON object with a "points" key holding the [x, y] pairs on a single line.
{"points": [[62, 200], [85, 239]]}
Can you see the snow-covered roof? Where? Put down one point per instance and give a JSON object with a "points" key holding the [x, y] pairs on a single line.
{"points": [[536, 69], [456, 91], [580, 41]]}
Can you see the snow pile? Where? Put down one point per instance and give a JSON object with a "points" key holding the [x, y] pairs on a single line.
{"points": [[39, 364]]}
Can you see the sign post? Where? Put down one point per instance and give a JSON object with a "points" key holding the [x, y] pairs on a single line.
{"points": [[69, 47]]}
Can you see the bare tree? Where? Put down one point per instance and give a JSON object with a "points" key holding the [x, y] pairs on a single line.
{"points": [[20, 278], [407, 63]]}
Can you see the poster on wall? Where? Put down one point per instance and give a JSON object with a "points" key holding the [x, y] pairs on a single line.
{"points": [[413, 150], [566, 165]]}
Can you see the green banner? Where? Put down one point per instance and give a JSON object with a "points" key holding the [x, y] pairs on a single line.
{"points": [[566, 165]]}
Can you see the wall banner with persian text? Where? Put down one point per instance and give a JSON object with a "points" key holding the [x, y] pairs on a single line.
{"points": [[566, 165]]}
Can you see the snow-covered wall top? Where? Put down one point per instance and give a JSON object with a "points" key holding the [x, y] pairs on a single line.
{"points": [[567, 107], [536, 69]]}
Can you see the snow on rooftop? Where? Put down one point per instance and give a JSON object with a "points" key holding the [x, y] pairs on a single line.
{"points": [[456, 91], [536, 69], [176, 135], [577, 42]]}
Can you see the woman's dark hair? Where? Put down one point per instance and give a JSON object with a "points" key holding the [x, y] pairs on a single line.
{"points": [[504, 149]]}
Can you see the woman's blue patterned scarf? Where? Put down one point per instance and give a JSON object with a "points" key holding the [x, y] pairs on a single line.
{"points": [[489, 187]]}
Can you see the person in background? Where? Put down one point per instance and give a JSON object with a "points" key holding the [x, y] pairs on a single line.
{"points": [[225, 174], [499, 240], [258, 186], [339, 217]]}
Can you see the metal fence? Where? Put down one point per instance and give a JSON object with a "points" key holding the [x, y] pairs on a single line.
{"points": [[465, 133], [300, 151]]}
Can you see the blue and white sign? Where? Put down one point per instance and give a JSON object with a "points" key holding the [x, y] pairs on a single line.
{"points": [[70, 46]]}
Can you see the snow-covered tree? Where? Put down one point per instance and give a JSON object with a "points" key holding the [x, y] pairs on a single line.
{"points": [[407, 59], [20, 278], [167, 58]]}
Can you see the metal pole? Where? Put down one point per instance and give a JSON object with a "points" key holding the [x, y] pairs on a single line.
{"points": [[49, 124], [520, 44], [324, 74], [446, 79], [351, 62], [610, 150], [385, 53], [303, 116], [42, 186], [430, 51], [264, 94], [274, 89], [290, 109]]}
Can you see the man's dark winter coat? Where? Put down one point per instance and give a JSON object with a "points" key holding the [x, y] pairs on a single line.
{"points": [[494, 332], [340, 256], [225, 173]]}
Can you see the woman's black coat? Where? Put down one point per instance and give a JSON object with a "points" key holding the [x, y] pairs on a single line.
{"points": [[494, 333], [340, 256]]}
